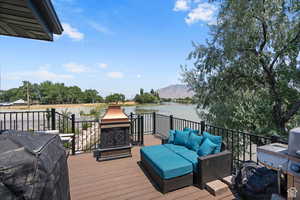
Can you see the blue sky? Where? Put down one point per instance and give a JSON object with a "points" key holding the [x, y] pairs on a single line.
{"points": [[111, 45]]}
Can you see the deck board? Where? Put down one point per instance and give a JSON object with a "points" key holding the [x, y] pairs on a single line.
{"points": [[122, 179]]}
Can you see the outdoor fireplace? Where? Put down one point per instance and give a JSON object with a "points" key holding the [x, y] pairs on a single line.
{"points": [[114, 135]]}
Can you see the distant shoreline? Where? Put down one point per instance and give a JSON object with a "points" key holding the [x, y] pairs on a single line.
{"points": [[33, 107]]}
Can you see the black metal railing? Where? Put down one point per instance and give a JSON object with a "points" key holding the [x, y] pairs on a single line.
{"points": [[38, 121], [87, 135], [162, 124], [137, 129], [87, 132], [242, 145], [61, 122], [25, 120]]}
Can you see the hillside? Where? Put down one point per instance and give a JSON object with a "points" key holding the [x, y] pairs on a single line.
{"points": [[175, 91]]}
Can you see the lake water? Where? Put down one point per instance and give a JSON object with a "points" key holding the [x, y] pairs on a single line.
{"points": [[185, 111]]}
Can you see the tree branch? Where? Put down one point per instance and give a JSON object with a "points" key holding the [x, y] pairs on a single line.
{"points": [[292, 111], [252, 50], [264, 42], [264, 31], [285, 48]]}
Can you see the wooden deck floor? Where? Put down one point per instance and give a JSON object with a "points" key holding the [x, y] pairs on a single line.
{"points": [[122, 179]]}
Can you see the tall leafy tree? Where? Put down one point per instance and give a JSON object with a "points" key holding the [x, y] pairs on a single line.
{"points": [[248, 74], [91, 95], [145, 97], [115, 98], [141, 91], [50, 93]]}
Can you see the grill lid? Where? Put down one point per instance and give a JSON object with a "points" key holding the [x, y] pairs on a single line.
{"points": [[294, 152], [294, 142], [114, 113]]}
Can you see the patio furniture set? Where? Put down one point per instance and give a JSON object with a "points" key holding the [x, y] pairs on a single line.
{"points": [[186, 158]]}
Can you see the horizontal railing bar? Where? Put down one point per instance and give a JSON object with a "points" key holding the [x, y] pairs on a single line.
{"points": [[18, 112], [83, 121], [240, 132], [225, 129]]}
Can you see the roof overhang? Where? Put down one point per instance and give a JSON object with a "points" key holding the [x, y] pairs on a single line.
{"points": [[35, 19]]}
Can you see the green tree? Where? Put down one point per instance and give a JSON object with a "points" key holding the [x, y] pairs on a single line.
{"points": [[141, 91], [248, 74], [51, 93], [145, 97], [75, 94], [152, 92], [92, 96], [115, 98]]}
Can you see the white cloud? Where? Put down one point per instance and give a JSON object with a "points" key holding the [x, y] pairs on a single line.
{"points": [[75, 68], [115, 75], [182, 5], [203, 12], [100, 28], [103, 65], [41, 74], [138, 76], [72, 32]]}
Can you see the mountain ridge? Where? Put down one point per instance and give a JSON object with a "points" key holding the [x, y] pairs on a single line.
{"points": [[175, 91]]}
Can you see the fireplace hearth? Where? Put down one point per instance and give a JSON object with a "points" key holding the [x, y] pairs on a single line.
{"points": [[114, 135]]}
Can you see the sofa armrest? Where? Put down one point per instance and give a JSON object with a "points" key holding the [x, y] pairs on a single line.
{"points": [[214, 166]]}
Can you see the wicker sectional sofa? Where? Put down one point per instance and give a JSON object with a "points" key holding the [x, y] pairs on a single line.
{"points": [[173, 166]]}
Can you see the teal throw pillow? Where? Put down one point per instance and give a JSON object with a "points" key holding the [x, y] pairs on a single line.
{"points": [[171, 136], [191, 130], [215, 139], [181, 137], [207, 147], [194, 141]]}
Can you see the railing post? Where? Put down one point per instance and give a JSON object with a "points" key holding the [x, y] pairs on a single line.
{"points": [[131, 116], [275, 138], [131, 124], [139, 129], [73, 131], [48, 116], [202, 123], [171, 122], [53, 127], [142, 130], [154, 123]]}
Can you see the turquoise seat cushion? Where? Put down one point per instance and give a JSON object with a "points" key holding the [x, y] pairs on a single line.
{"points": [[181, 137], [171, 137], [191, 130], [215, 139], [207, 147], [185, 153], [165, 162], [194, 141]]}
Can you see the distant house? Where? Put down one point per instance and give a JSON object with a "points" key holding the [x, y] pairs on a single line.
{"points": [[6, 104], [19, 102]]}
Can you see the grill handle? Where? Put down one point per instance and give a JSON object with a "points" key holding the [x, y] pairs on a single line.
{"points": [[279, 172]]}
